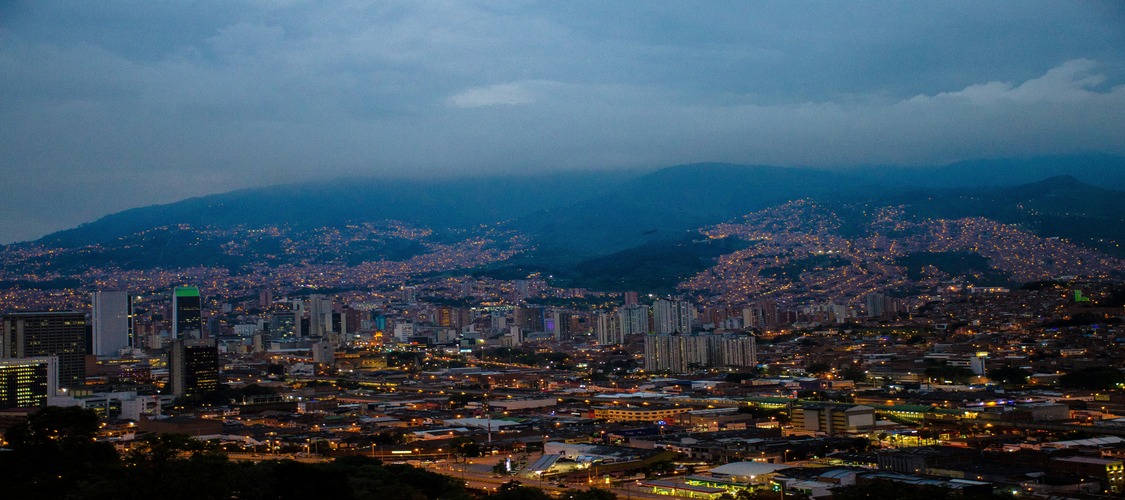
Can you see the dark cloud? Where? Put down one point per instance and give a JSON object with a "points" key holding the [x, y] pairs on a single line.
{"points": [[114, 104]]}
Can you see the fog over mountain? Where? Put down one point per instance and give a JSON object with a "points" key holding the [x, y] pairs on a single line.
{"points": [[594, 228], [112, 105]]}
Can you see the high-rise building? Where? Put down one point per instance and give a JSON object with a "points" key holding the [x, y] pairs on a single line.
{"points": [[671, 316], [193, 367], [676, 353], [112, 319], [679, 353], [28, 382], [38, 334], [187, 313], [557, 324], [634, 319], [609, 329], [762, 314], [403, 331], [283, 324], [298, 319], [530, 319], [320, 316], [734, 350]]}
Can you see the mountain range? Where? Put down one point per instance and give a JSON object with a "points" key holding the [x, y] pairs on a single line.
{"points": [[589, 228]]}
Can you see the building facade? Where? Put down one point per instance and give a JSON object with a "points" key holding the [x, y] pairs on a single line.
{"points": [[58, 334], [112, 322], [187, 313], [193, 367], [678, 353], [28, 382]]}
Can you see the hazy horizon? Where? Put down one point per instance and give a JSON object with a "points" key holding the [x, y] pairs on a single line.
{"points": [[111, 106]]}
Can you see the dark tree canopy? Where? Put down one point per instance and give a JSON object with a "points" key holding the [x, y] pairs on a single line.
{"points": [[1093, 378], [54, 455]]}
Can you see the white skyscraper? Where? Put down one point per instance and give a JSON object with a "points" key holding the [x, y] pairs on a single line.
{"points": [[112, 318], [320, 315]]}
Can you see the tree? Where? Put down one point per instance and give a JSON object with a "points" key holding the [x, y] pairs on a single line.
{"points": [[508, 491], [590, 494], [945, 372], [465, 447], [890, 489], [54, 452], [882, 436], [1093, 378], [1009, 375], [856, 373], [759, 494], [818, 368], [54, 427]]}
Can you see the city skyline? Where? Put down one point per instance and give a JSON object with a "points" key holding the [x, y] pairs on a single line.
{"points": [[562, 250]]}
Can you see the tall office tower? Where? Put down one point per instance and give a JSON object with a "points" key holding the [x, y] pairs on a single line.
{"points": [[671, 316], [298, 317], [552, 324], [462, 317], [338, 324], [563, 322], [193, 367], [528, 318], [356, 320], [187, 313], [59, 334], [320, 316], [112, 319], [634, 319], [445, 316], [28, 382]]}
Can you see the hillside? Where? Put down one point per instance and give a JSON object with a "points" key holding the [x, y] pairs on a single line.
{"points": [[667, 205], [1059, 206], [616, 230], [438, 204]]}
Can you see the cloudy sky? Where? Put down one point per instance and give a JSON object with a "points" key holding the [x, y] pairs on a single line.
{"points": [[111, 104]]}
